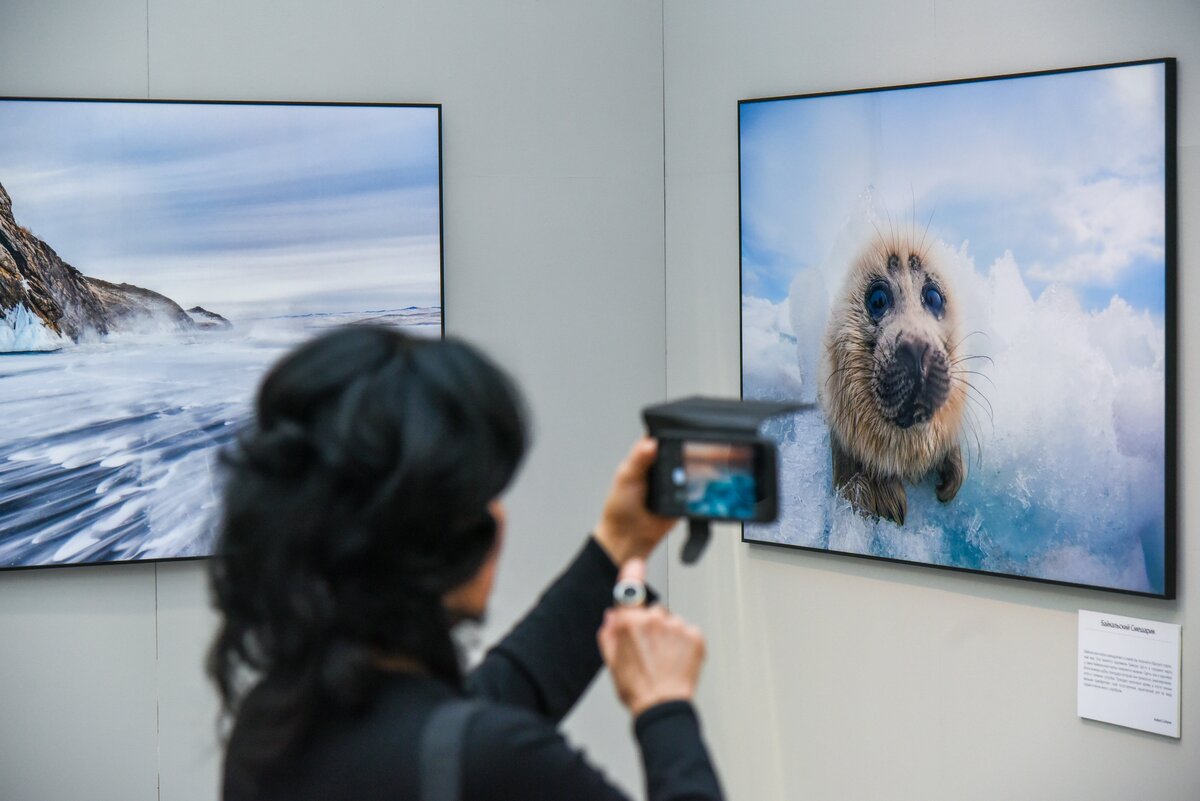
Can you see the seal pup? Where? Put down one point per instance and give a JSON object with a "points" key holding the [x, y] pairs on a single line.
{"points": [[887, 383]]}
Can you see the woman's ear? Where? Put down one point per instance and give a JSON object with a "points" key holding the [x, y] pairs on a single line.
{"points": [[469, 600], [499, 514]]}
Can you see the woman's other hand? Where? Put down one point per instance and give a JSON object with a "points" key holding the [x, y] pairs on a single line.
{"points": [[627, 529], [653, 655]]}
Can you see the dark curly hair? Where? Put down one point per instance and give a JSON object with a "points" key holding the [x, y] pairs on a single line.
{"points": [[354, 501]]}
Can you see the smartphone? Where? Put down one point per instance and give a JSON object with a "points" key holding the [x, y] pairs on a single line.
{"points": [[715, 478]]}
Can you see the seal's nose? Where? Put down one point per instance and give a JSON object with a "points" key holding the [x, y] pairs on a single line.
{"points": [[914, 383], [914, 358]]}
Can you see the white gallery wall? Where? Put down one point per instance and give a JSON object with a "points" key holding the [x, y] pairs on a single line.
{"points": [[838, 678], [828, 677], [553, 188]]}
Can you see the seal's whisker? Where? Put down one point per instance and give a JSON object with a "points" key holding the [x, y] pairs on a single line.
{"points": [[969, 425], [954, 347], [852, 370], [971, 388], [924, 252], [973, 426], [880, 241], [881, 253], [979, 397], [972, 459], [891, 227], [979, 438], [912, 222], [975, 429], [961, 359], [984, 376], [966, 382]]}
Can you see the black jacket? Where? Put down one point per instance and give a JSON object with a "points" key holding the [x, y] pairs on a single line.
{"points": [[512, 749]]}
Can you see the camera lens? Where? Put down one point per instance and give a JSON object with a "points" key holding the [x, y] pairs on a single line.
{"points": [[679, 476]]}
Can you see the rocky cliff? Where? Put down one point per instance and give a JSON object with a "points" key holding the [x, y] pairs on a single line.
{"points": [[207, 320], [38, 288]]}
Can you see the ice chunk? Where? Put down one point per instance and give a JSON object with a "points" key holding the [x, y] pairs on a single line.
{"points": [[22, 331], [769, 368], [809, 301]]}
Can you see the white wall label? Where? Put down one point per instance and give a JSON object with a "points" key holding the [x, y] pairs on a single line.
{"points": [[1129, 672]]}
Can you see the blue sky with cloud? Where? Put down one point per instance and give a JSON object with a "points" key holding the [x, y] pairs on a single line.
{"points": [[283, 208], [1066, 171]]}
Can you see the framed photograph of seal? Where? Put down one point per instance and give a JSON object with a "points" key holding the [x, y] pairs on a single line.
{"points": [[975, 281], [155, 258]]}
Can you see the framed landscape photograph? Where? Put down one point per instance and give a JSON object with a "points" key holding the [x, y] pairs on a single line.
{"points": [[974, 284], [155, 258]]}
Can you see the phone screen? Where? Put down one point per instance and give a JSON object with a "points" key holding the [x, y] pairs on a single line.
{"points": [[719, 479]]}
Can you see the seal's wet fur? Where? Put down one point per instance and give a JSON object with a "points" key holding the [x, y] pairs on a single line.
{"points": [[888, 386]]}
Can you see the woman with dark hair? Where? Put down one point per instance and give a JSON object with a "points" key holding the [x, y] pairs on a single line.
{"points": [[362, 522]]}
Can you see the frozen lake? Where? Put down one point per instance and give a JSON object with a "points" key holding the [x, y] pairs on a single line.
{"points": [[108, 449]]}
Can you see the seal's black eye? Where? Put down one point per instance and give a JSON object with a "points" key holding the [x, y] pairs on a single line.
{"points": [[931, 296], [879, 299]]}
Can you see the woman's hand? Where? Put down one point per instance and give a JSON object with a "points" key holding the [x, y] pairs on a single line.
{"points": [[653, 656], [627, 529]]}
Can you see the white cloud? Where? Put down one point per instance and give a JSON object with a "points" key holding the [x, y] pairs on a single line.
{"points": [[1136, 91], [1107, 225], [375, 275], [1066, 171]]}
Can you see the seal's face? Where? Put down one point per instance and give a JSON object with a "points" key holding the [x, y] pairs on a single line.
{"points": [[907, 305], [892, 384]]}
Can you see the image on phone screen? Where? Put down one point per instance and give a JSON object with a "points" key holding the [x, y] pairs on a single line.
{"points": [[720, 479]]}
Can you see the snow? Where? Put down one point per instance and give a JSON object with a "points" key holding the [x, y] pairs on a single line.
{"points": [[1066, 436], [108, 449]]}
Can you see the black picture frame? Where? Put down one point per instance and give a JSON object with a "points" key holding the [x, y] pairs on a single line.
{"points": [[437, 110], [1170, 488]]}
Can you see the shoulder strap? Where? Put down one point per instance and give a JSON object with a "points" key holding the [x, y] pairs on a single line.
{"points": [[441, 750]]}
